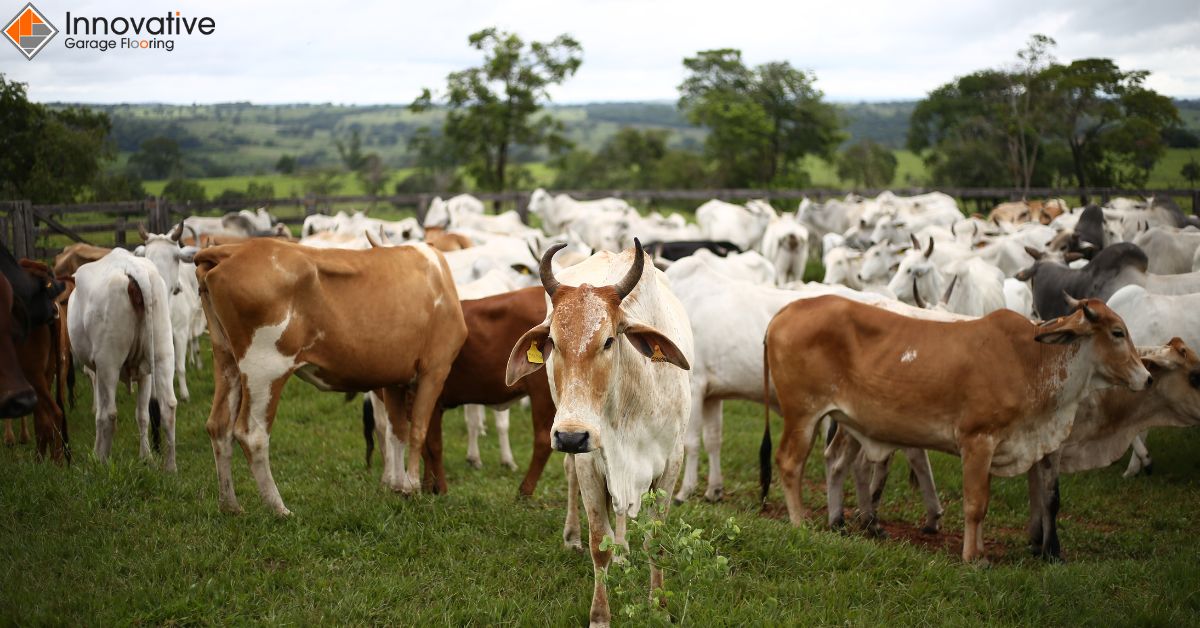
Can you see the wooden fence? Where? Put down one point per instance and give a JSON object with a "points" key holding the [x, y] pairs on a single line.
{"points": [[28, 229]]}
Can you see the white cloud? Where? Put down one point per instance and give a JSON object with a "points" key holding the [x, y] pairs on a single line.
{"points": [[384, 52]]}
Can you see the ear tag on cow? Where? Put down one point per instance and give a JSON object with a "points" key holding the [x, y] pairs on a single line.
{"points": [[658, 356], [534, 355]]}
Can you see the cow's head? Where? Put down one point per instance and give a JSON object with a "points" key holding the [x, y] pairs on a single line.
{"points": [[1176, 371], [917, 270], [1091, 321], [581, 344], [166, 252]]}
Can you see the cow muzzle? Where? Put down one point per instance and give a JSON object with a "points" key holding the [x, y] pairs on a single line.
{"points": [[18, 404], [573, 441], [1140, 379]]}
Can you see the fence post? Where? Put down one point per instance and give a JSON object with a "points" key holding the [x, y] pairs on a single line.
{"points": [[24, 230], [1196, 202], [422, 207], [119, 234], [308, 203]]}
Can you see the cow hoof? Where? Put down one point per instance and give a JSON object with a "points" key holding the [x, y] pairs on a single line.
{"points": [[475, 464], [231, 509], [572, 541], [510, 465], [838, 525], [171, 468], [676, 501], [931, 528], [283, 513], [10, 441], [876, 531], [714, 495], [1149, 468]]}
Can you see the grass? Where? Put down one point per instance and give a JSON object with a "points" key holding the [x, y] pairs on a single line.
{"points": [[123, 543]]}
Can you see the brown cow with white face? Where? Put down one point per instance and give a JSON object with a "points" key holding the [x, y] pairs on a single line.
{"points": [[348, 321], [616, 345], [999, 391]]}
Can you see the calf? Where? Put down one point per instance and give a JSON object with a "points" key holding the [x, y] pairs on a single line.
{"points": [[120, 328], [348, 321], [900, 381], [616, 357]]}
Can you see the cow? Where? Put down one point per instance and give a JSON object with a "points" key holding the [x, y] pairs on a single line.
{"points": [[244, 223], [17, 397], [785, 244], [75, 255], [120, 329], [679, 249], [350, 321], [446, 241], [743, 225], [494, 323], [892, 380], [1154, 319], [617, 355], [557, 213], [1170, 251], [167, 253], [442, 213], [729, 318]]}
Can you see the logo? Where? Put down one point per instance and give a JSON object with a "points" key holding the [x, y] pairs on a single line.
{"points": [[30, 31]]}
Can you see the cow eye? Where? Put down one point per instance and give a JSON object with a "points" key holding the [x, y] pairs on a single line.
{"points": [[1118, 333], [608, 343]]}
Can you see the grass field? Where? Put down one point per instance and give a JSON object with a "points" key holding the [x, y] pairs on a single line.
{"points": [[123, 543]]}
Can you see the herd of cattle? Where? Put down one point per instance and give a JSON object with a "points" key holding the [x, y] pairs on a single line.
{"points": [[1008, 340]]}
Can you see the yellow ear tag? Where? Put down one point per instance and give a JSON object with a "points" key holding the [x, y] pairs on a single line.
{"points": [[658, 355], [533, 355]]}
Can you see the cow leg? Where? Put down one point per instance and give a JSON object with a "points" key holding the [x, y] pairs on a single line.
{"points": [[142, 413], [429, 387], [840, 454], [1036, 503], [794, 447], [571, 536], [252, 429], [977, 478], [24, 437], [181, 369], [104, 399], [506, 456], [474, 414], [918, 464], [1139, 457], [225, 404], [870, 478], [596, 501], [165, 398], [395, 440], [1048, 477], [713, 425], [542, 414], [665, 481], [691, 448], [10, 439], [434, 480]]}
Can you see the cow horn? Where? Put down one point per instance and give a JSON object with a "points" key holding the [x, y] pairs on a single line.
{"points": [[142, 232], [195, 235], [952, 231], [627, 283], [917, 295], [549, 282], [916, 245], [1076, 304], [929, 251], [946, 297], [177, 233]]}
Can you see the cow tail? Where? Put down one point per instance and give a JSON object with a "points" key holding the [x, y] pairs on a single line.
{"points": [[764, 450], [368, 421], [139, 289], [155, 425]]}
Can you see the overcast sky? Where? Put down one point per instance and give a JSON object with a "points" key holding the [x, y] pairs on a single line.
{"points": [[273, 51]]}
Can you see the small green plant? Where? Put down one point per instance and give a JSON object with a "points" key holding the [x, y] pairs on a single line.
{"points": [[687, 555]]}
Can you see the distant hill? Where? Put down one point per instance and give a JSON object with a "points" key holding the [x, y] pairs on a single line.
{"points": [[242, 138]]}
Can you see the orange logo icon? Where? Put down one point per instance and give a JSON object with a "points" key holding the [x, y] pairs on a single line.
{"points": [[30, 31]]}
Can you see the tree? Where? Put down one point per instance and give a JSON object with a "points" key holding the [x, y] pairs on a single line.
{"points": [[436, 165], [48, 155], [124, 185], [158, 158], [761, 121], [184, 191], [867, 164], [373, 175], [322, 182], [351, 152], [1191, 171], [286, 164], [491, 109], [631, 159]]}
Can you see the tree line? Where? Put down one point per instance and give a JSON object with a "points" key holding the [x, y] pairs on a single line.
{"points": [[1036, 122]]}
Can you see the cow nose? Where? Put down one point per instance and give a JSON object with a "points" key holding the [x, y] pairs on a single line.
{"points": [[1149, 382], [19, 404], [571, 442]]}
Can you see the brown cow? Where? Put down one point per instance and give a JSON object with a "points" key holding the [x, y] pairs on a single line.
{"points": [[446, 241], [75, 255], [348, 321], [17, 397], [895, 381], [494, 324]]}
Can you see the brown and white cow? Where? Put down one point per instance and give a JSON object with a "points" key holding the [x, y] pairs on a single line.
{"points": [[75, 255], [999, 391], [616, 345], [348, 321]]}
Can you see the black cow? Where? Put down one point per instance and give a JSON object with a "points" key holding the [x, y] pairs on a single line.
{"points": [[1110, 270], [679, 249], [1088, 238]]}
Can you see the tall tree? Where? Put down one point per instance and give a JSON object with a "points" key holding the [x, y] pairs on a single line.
{"points": [[867, 164], [492, 109], [158, 158], [761, 121]]}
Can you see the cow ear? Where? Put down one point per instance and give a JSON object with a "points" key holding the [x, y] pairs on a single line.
{"points": [[1034, 253], [653, 344], [529, 354], [1073, 256], [186, 254], [1025, 274], [1057, 337]]}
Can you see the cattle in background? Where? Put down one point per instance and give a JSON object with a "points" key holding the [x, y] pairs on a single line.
{"points": [[494, 323], [557, 213], [1170, 250], [120, 329], [679, 249], [244, 224], [889, 379], [276, 309], [785, 244], [616, 345], [167, 253], [446, 241], [442, 214], [743, 225], [75, 255]]}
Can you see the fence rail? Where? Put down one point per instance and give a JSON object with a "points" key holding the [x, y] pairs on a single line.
{"points": [[26, 228]]}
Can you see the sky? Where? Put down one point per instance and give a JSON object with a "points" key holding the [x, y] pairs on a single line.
{"points": [[378, 52]]}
